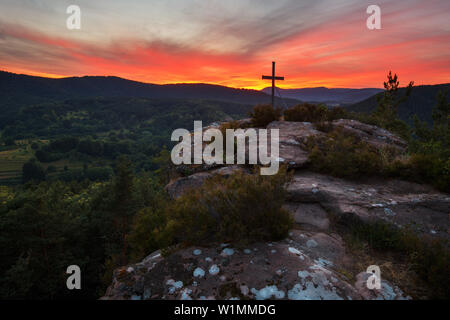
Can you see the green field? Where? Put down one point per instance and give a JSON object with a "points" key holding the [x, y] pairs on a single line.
{"points": [[11, 162]]}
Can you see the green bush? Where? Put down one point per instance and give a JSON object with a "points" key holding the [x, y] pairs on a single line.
{"points": [[429, 258], [431, 261], [429, 168], [343, 155], [262, 115], [239, 209], [147, 233], [430, 161], [33, 171], [307, 112]]}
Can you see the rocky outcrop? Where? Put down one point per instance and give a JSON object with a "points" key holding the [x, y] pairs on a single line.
{"points": [[373, 135], [292, 140], [304, 266], [308, 264], [294, 135], [177, 187], [402, 203]]}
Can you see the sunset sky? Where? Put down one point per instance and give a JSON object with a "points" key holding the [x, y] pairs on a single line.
{"points": [[230, 42]]}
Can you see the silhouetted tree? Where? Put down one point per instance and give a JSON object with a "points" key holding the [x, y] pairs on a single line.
{"points": [[33, 170]]}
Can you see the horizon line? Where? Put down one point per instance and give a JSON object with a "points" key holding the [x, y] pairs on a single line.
{"points": [[54, 76]]}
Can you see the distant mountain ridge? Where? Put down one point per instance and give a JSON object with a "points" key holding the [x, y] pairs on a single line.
{"points": [[327, 95], [17, 91], [421, 102], [18, 88]]}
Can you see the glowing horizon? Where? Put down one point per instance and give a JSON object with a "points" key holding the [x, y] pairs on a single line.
{"points": [[325, 43]]}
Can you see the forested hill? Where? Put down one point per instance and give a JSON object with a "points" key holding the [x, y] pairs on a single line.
{"points": [[328, 95], [421, 102], [16, 89]]}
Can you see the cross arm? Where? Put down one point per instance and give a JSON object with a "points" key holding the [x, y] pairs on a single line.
{"points": [[272, 78]]}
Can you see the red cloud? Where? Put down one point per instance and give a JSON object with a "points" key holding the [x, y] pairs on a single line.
{"points": [[335, 54]]}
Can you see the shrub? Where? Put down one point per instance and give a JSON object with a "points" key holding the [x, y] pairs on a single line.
{"points": [[431, 261], [33, 171], [307, 112], [337, 113], [429, 168], [431, 147], [429, 258], [324, 126], [241, 208], [343, 155], [147, 233], [262, 115]]}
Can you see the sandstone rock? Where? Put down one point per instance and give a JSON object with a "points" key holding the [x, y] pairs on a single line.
{"points": [[177, 187], [386, 292], [374, 135], [306, 265], [282, 270], [292, 137], [309, 214], [400, 202]]}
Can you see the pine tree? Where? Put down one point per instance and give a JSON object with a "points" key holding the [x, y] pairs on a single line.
{"points": [[389, 102], [122, 205]]}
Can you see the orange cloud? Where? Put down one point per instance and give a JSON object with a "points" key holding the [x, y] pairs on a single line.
{"points": [[333, 54]]}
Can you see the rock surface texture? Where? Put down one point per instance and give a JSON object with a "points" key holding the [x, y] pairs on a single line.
{"points": [[309, 263], [297, 268]]}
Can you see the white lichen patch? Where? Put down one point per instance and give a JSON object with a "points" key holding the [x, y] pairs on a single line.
{"points": [[214, 269], [303, 274], [197, 252], [268, 292], [311, 243], [389, 212], [323, 262], [244, 290], [185, 294], [294, 251], [227, 252], [174, 285], [199, 273]]}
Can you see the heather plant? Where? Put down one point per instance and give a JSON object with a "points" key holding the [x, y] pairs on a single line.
{"points": [[241, 208], [428, 258], [343, 155], [308, 112], [262, 115]]}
